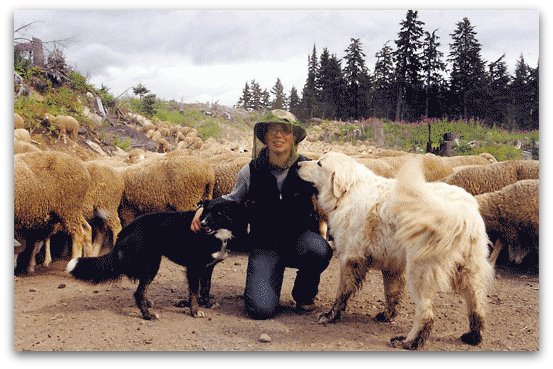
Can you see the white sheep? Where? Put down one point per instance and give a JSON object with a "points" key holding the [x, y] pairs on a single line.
{"points": [[64, 125], [20, 147], [162, 183], [22, 135], [488, 178], [18, 121], [511, 215], [49, 188]]}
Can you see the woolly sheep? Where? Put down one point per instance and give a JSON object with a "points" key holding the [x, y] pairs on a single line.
{"points": [[18, 121], [488, 178], [22, 135], [102, 201], [165, 183], [20, 147], [226, 172], [511, 215], [64, 124], [49, 188]]}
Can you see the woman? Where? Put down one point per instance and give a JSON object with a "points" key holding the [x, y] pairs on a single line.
{"points": [[283, 221]]}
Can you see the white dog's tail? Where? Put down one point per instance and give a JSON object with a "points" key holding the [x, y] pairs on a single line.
{"points": [[426, 223]]}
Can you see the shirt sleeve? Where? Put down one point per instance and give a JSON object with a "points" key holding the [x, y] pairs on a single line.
{"points": [[241, 186]]}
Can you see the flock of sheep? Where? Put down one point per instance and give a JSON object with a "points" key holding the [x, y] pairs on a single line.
{"points": [[92, 200]]}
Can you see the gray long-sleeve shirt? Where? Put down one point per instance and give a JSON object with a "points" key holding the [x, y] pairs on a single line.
{"points": [[243, 181]]}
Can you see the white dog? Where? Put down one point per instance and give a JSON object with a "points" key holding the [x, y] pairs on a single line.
{"points": [[431, 234]]}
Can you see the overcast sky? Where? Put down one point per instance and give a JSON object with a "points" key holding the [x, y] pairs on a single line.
{"points": [[208, 55]]}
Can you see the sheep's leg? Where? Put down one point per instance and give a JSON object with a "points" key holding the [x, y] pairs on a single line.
{"points": [[97, 242], [352, 274], [495, 253], [32, 261], [394, 284], [115, 225], [47, 253], [87, 238]]}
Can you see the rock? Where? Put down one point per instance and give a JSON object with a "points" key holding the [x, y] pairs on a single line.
{"points": [[265, 338], [94, 146]]}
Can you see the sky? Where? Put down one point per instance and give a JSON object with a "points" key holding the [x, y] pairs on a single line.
{"points": [[208, 55]]}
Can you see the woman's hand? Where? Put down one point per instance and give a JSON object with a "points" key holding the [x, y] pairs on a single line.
{"points": [[195, 225]]}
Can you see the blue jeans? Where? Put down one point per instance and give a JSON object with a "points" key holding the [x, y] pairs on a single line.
{"points": [[311, 255]]}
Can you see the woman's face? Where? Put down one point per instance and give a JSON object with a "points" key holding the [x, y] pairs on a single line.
{"points": [[279, 138]]}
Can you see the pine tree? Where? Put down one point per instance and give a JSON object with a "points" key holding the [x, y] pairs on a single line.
{"points": [[265, 100], [244, 101], [383, 83], [498, 91], [534, 97], [330, 85], [432, 67], [256, 96], [407, 58], [521, 95], [294, 102], [357, 80], [467, 78], [309, 93], [279, 97]]}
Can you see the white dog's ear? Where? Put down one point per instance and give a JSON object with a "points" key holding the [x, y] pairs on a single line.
{"points": [[341, 181]]}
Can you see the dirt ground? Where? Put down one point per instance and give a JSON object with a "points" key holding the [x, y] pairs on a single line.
{"points": [[53, 312]]}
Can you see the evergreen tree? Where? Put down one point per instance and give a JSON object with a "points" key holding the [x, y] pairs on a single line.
{"points": [[384, 83], [148, 105], [309, 93], [432, 66], [330, 85], [534, 97], [265, 100], [407, 58], [357, 80], [256, 103], [279, 97], [521, 96], [498, 91], [294, 102], [244, 101], [140, 90], [467, 81]]}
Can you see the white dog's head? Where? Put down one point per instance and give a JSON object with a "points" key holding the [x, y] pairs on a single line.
{"points": [[332, 175]]}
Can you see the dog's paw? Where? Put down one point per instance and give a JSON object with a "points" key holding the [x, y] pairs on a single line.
{"points": [[384, 316], [182, 303], [149, 302], [472, 338], [400, 342], [328, 317], [150, 316], [199, 314]]}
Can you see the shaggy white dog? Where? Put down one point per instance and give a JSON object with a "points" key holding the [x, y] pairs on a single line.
{"points": [[430, 234]]}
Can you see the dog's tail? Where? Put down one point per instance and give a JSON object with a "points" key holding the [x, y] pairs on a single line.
{"points": [[99, 269], [426, 223]]}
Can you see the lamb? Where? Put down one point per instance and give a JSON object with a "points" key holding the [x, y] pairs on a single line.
{"points": [[175, 183], [64, 125], [18, 121], [488, 178], [49, 188], [22, 135], [511, 215], [102, 201], [20, 147]]}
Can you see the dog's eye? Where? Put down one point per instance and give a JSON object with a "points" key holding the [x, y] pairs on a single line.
{"points": [[319, 163]]}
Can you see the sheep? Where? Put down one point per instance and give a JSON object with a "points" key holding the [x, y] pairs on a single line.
{"points": [[488, 178], [164, 183], [49, 188], [511, 215], [102, 201], [20, 147], [226, 172], [22, 135], [18, 121], [64, 124]]}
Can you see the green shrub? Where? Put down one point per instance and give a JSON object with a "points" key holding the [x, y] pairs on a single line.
{"points": [[123, 144]]}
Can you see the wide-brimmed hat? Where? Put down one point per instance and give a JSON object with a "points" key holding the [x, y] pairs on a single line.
{"points": [[279, 116]]}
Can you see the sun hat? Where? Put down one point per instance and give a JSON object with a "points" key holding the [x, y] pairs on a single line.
{"points": [[279, 116]]}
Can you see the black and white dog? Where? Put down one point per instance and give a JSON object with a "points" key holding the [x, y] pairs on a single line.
{"points": [[140, 246]]}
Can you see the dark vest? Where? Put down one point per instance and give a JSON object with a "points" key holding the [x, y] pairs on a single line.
{"points": [[278, 216]]}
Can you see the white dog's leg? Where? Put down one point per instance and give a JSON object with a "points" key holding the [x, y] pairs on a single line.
{"points": [[421, 285], [394, 285], [352, 274]]}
